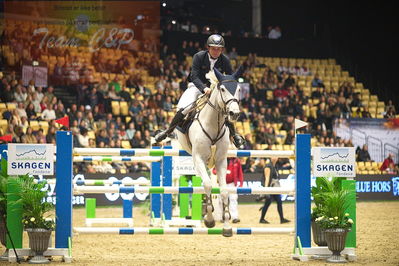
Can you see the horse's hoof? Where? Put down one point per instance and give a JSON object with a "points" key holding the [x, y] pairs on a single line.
{"points": [[228, 232], [209, 224]]}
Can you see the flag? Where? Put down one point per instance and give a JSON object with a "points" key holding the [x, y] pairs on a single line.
{"points": [[299, 124], [63, 121], [6, 138]]}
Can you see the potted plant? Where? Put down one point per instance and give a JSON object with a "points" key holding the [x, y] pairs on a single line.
{"points": [[335, 222], [323, 185], [3, 207], [35, 216]]}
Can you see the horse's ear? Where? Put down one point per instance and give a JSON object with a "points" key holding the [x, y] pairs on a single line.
{"points": [[218, 74], [239, 72]]}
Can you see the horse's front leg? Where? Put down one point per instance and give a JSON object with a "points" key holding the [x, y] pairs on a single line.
{"points": [[200, 167], [221, 167]]}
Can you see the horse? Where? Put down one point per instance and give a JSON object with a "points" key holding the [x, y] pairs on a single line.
{"points": [[208, 139]]}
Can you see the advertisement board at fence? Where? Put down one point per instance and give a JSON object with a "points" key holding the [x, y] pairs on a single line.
{"points": [[34, 159], [334, 161]]}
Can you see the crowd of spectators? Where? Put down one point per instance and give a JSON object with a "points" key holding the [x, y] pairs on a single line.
{"points": [[151, 100]]}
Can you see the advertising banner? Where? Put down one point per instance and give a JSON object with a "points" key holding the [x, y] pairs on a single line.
{"points": [[34, 159], [334, 161], [368, 187]]}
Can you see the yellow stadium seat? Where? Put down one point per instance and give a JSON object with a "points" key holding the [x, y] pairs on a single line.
{"points": [[91, 134], [125, 144], [368, 166], [11, 106], [115, 108], [3, 125], [124, 108], [361, 166], [34, 125]]}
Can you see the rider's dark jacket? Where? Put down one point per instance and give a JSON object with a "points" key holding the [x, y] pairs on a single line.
{"points": [[201, 66]]}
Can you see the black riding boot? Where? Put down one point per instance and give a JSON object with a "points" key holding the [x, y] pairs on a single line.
{"points": [[238, 140], [175, 121]]}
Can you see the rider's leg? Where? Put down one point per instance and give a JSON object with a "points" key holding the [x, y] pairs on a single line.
{"points": [[186, 101], [238, 140], [175, 121]]}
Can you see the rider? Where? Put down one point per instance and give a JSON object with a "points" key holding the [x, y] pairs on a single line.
{"points": [[203, 62]]}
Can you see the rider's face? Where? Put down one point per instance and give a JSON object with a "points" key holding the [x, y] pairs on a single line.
{"points": [[215, 51]]}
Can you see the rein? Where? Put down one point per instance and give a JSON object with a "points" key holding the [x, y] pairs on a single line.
{"points": [[224, 113]]}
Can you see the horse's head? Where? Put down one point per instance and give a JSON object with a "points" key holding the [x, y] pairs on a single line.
{"points": [[229, 92]]}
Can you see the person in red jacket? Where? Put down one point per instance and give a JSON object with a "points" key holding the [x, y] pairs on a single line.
{"points": [[388, 164], [234, 178]]}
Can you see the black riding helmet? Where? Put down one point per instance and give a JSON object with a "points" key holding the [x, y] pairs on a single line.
{"points": [[215, 40]]}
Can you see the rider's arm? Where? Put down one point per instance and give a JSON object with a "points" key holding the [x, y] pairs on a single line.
{"points": [[196, 72]]}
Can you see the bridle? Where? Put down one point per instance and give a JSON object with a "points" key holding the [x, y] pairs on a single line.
{"points": [[219, 134]]}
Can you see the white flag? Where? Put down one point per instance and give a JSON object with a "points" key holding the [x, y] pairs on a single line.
{"points": [[300, 124]]}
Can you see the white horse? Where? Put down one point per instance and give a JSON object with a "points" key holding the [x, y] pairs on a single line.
{"points": [[208, 139]]}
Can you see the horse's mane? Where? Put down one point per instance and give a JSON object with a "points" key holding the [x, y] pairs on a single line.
{"points": [[212, 78]]}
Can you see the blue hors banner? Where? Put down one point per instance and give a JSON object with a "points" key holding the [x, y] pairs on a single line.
{"points": [[33, 159], [334, 161]]}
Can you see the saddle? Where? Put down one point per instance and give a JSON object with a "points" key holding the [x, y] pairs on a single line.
{"points": [[185, 124]]}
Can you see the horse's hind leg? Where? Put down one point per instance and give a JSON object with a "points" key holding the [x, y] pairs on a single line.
{"points": [[202, 171]]}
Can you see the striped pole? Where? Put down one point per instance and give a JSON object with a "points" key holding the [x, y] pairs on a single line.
{"points": [[182, 231], [100, 182], [112, 158], [175, 152], [181, 190]]}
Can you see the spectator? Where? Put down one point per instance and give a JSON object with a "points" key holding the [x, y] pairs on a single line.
{"points": [[102, 138], [41, 138], [363, 155], [48, 113], [317, 82], [388, 164], [390, 107], [271, 179], [390, 112], [275, 33], [83, 138], [29, 137], [366, 113], [234, 178], [50, 137], [233, 55]]}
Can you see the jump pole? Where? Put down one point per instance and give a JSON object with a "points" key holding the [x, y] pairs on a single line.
{"points": [[302, 152]]}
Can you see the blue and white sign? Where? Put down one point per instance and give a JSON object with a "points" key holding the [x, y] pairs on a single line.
{"points": [[334, 161], [34, 159], [183, 166]]}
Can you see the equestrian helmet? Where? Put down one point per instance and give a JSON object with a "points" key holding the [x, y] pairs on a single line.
{"points": [[215, 40]]}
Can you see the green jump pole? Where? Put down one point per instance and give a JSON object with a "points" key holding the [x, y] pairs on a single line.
{"points": [[14, 214], [184, 198], [351, 237], [90, 208], [196, 200]]}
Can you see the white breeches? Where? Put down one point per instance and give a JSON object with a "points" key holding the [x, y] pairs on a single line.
{"points": [[233, 205], [189, 97]]}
